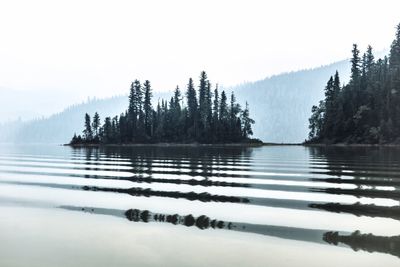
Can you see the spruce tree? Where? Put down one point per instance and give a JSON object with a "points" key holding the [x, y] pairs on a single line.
{"points": [[234, 111], [223, 118], [246, 122], [192, 109], [215, 116], [148, 110], [355, 65], [88, 133], [96, 125], [203, 108]]}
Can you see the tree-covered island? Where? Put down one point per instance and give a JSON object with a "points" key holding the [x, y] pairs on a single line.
{"points": [[367, 109], [201, 116]]}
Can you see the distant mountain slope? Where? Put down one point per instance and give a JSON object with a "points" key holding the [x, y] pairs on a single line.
{"points": [[280, 105], [60, 127], [31, 104]]}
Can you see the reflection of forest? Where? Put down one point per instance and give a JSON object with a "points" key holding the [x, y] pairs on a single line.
{"points": [[204, 222], [198, 160], [374, 172], [364, 164], [366, 242], [361, 209], [356, 240]]}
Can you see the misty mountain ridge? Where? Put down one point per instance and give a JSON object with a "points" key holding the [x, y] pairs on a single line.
{"points": [[280, 105]]}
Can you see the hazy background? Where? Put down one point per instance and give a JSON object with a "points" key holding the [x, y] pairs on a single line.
{"points": [[57, 53]]}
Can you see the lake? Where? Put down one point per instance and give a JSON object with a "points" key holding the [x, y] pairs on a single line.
{"points": [[199, 206]]}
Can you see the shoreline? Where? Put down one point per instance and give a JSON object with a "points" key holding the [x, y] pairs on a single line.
{"points": [[168, 145], [229, 145], [349, 145]]}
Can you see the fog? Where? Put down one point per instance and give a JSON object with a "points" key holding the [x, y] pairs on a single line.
{"points": [[62, 52]]}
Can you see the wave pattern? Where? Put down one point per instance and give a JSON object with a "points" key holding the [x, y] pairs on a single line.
{"points": [[332, 196]]}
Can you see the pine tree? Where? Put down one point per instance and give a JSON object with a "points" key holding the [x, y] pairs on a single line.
{"points": [[192, 109], [329, 105], [96, 125], [394, 69], [139, 131], [246, 122], [203, 109], [208, 108], [177, 99], [148, 110], [215, 116], [223, 117], [234, 110], [394, 61], [88, 134], [355, 65], [336, 108], [107, 131], [369, 60]]}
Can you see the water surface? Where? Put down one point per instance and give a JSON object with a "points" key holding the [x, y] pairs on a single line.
{"points": [[199, 206]]}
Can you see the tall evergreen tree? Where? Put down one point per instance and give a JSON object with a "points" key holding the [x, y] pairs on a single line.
{"points": [[88, 133], [215, 116], [355, 65], [203, 101], [148, 110], [369, 60], [192, 109], [247, 122], [96, 124], [234, 110], [223, 117]]}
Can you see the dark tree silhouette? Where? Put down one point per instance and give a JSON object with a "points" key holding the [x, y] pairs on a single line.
{"points": [[203, 121], [367, 109]]}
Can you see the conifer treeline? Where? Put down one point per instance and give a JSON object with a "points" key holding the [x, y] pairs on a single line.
{"points": [[367, 109], [205, 117]]}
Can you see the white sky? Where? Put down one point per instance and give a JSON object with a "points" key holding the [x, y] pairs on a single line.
{"points": [[98, 47]]}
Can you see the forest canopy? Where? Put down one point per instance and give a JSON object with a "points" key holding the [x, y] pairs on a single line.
{"points": [[367, 109], [203, 116]]}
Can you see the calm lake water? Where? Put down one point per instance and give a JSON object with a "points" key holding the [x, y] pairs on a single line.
{"points": [[199, 206]]}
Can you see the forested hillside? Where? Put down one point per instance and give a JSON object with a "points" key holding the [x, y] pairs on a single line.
{"points": [[367, 109]]}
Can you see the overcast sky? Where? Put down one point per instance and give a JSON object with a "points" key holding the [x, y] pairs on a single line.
{"points": [[98, 47]]}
